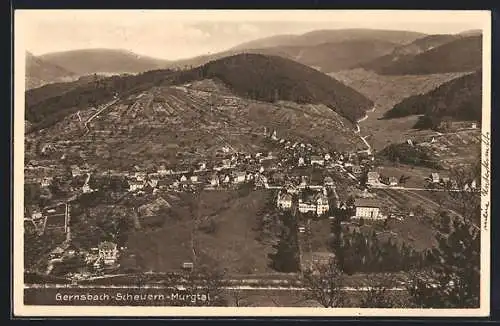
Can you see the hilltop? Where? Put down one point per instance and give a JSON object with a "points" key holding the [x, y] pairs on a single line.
{"points": [[456, 54], [458, 99], [107, 61], [271, 78], [324, 50], [257, 77], [40, 72]]}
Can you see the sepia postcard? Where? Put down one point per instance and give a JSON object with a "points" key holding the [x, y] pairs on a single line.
{"points": [[251, 163]]}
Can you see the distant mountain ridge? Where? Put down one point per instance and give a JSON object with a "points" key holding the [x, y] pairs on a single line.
{"points": [[334, 35], [40, 72], [113, 61]]}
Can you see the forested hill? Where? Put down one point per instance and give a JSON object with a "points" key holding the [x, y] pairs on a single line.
{"points": [[264, 78], [271, 78], [458, 99], [463, 54]]}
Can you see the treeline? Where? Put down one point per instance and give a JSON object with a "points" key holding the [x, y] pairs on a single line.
{"points": [[365, 253], [286, 259], [408, 154], [458, 99]]}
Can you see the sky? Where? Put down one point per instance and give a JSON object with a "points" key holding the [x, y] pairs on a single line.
{"points": [[173, 34]]}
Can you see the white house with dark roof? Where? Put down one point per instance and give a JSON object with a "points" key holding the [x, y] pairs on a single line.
{"points": [[368, 208], [317, 160], [108, 252], [435, 177]]}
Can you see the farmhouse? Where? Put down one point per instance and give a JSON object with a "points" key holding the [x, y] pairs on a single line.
{"points": [[435, 177], [367, 208], [301, 161], [393, 181]]}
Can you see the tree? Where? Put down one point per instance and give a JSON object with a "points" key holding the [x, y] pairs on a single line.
{"points": [[324, 283], [377, 295], [209, 281], [453, 280]]}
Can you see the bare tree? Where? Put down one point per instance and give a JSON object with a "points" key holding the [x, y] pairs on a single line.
{"points": [[237, 297], [377, 295], [323, 283]]}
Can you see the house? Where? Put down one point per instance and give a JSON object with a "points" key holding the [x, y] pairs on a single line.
{"points": [[322, 205], [317, 160], [327, 157], [473, 184], [393, 181], [434, 177], [214, 180], [373, 177], [193, 178], [261, 169], [86, 188], [239, 177], [108, 252], [153, 182], [367, 208], [188, 266], [135, 185], [226, 164], [75, 171], [225, 179], [473, 125], [202, 166], [162, 170], [284, 201], [140, 176], [317, 204], [303, 181], [46, 181], [274, 136], [328, 181], [356, 170], [301, 161], [183, 178]]}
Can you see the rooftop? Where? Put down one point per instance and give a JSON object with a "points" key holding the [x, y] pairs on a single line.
{"points": [[366, 202]]}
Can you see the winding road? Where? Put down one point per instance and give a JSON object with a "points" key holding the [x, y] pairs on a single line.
{"points": [[86, 124]]}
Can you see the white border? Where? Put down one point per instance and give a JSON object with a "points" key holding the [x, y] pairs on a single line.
{"points": [[22, 16]]}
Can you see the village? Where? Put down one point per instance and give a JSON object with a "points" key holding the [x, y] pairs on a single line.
{"points": [[304, 179]]}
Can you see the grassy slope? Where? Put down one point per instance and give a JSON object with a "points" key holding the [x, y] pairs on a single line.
{"points": [[386, 91]]}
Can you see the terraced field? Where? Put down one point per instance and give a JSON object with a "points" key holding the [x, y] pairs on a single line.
{"points": [[171, 124]]}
